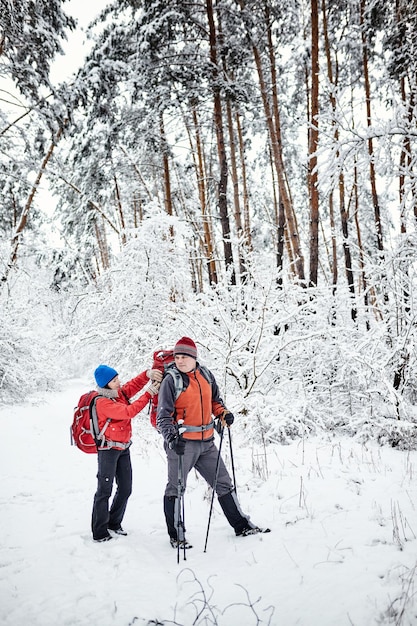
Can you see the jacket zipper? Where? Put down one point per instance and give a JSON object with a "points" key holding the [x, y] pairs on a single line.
{"points": [[201, 404]]}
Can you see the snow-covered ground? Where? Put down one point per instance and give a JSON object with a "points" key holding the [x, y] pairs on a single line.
{"points": [[342, 550]]}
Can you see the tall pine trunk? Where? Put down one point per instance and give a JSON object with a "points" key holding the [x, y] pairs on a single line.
{"points": [[26, 209], [272, 116], [236, 194], [245, 192], [332, 98], [120, 211], [165, 166], [198, 157], [221, 148], [313, 145], [372, 174]]}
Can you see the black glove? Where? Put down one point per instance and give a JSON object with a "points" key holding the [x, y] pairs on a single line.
{"points": [[178, 445], [224, 419]]}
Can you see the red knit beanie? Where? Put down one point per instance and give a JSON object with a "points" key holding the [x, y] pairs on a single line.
{"points": [[186, 346]]}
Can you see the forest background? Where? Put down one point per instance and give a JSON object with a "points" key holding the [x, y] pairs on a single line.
{"points": [[240, 172]]}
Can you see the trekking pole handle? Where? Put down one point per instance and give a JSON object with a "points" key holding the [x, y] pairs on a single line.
{"points": [[181, 428]]}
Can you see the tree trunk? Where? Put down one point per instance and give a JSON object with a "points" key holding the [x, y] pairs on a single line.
{"points": [[274, 130], [167, 178], [341, 180], [372, 176], [279, 221], [336, 138], [246, 213], [208, 246], [137, 210], [406, 162], [103, 248], [221, 149], [24, 215], [236, 195], [345, 242], [120, 210], [313, 145], [362, 278]]}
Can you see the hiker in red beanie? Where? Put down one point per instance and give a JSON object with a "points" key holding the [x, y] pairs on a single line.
{"points": [[187, 426]]}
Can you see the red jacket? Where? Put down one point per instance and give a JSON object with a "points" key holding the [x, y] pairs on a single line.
{"points": [[120, 411]]}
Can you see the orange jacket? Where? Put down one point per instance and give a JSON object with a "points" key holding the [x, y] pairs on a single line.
{"points": [[120, 411], [196, 405]]}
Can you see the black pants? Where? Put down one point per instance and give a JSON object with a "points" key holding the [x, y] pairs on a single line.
{"points": [[112, 464]]}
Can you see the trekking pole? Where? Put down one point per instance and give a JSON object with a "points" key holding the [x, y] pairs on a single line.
{"points": [[214, 485], [180, 500], [180, 507], [232, 459]]}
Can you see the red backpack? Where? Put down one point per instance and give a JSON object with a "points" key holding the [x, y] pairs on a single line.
{"points": [[162, 359], [84, 428]]}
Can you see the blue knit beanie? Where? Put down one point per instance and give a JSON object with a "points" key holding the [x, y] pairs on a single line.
{"points": [[104, 374]]}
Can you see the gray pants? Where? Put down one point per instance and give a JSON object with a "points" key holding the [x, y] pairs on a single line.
{"points": [[202, 455]]}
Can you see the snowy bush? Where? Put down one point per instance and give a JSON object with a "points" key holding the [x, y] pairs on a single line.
{"points": [[30, 331], [289, 361]]}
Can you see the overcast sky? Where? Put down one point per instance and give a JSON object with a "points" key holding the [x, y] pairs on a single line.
{"points": [[76, 47]]}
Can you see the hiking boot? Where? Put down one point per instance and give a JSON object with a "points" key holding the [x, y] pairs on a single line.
{"points": [[106, 538], [118, 531], [249, 530], [183, 544]]}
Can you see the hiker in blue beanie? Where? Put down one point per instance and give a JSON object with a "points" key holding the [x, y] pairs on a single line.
{"points": [[115, 413]]}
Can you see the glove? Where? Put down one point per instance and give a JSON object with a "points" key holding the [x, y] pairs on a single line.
{"points": [[178, 445], [155, 375], [224, 419], [152, 388], [229, 418]]}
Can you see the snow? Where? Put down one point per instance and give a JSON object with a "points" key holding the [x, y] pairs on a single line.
{"points": [[342, 549]]}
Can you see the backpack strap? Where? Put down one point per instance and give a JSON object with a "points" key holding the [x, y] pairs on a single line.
{"points": [[98, 435], [206, 373], [178, 381], [177, 378], [101, 442]]}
